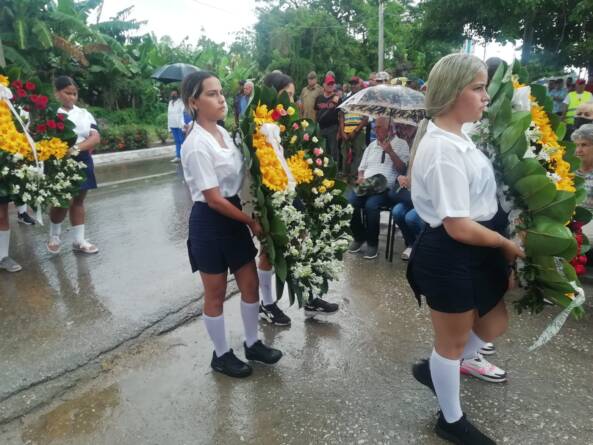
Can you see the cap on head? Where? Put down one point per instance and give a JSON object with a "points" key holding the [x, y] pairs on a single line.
{"points": [[312, 75], [329, 80]]}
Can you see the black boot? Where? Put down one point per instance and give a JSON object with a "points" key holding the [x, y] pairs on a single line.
{"points": [[230, 365], [461, 432], [258, 352]]}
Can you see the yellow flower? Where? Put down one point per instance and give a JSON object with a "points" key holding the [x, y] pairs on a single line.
{"points": [[304, 124], [290, 111], [4, 80], [322, 189], [279, 107], [300, 168], [273, 175], [328, 183], [261, 115], [318, 172], [282, 128], [293, 139]]}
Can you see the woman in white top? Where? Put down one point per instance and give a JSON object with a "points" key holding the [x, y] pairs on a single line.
{"points": [[219, 239], [461, 262], [87, 138], [175, 121]]}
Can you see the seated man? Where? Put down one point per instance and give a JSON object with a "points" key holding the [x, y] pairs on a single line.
{"points": [[405, 216], [388, 157]]}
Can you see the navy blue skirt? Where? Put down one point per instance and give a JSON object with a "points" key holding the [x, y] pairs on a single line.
{"points": [[456, 277], [217, 243], [90, 182]]}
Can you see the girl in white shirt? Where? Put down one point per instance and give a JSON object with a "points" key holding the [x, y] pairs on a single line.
{"points": [[461, 262], [219, 239], [87, 139]]}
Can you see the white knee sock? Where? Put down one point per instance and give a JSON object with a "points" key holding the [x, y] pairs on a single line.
{"points": [[78, 232], [265, 286], [216, 332], [445, 377], [250, 316], [22, 209], [473, 345], [55, 229], [4, 243]]}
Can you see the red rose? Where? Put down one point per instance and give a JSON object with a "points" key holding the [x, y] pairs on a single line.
{"points": [[61, 117], [276, 115], [580, 269], [41, 103], [579, 238], [21, 93], [41, 128], [17, 84], [582, 259], [30, 86], [51, 124], [60, 126]]}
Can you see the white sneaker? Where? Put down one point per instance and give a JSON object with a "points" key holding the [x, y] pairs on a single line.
{"points": [[176, 160], [406, 253], [85, 247], [488, 349], [10, 265], [54, 245], [482, 369]]}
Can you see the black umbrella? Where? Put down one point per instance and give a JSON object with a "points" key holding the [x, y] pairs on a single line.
{"points": [[174, 72]]}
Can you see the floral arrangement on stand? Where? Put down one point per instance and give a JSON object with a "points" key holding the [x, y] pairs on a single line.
{"points": [[538, 187], [46, 175], [296, 196]]}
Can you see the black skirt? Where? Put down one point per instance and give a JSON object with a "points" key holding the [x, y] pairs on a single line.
{"points": [[217, 243], [456, 277]]}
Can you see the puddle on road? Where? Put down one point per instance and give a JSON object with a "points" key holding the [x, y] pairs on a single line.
{"points": [[74, 418]]}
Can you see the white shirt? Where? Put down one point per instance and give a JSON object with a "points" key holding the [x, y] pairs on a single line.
{"points": [[452, 178], [207, 165], [83, 121], [371, 160], [175, 114]]}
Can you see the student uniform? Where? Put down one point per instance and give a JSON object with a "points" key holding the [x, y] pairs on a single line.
{"points": [[452, 178], [84, 123], [216, 243]]}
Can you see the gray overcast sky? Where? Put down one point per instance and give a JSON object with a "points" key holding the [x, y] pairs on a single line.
{"points": [[180, 18]]}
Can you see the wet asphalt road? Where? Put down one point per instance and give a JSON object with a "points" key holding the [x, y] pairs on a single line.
{"points": [[81, 361]]}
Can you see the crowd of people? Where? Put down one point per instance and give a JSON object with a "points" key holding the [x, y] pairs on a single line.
{"points": [[461, 255]]}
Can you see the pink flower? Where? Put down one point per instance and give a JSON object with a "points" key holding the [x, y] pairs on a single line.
{"points": [[317, 151], [319, 162], [306, 137], [295, 126], [283, 112]]}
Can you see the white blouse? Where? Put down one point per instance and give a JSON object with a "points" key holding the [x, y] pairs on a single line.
{"points": [[452, 178], [207, 165], [83, 121]]}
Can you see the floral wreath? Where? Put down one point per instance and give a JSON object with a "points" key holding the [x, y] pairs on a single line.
{"points": [[36, 167], [538, 188], [296, 196]]}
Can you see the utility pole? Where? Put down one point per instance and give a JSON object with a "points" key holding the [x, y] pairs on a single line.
{"points": [[381, 42]]}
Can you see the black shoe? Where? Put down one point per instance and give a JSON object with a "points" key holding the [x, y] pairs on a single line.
{"points": [[461, 432], [421, 372], [273, 314], [24, 218], [317, 306], [258, 352], [230, 365]]}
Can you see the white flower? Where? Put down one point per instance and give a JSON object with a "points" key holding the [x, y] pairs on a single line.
{"points": [[521, 100], [315, 140]]}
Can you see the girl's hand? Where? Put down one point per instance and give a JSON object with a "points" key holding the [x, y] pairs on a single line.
{"points": [[256, 228]]}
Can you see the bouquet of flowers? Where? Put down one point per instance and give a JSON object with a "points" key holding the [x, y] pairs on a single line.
{"points": [[297, 198], [36, 167], [539, 189]]}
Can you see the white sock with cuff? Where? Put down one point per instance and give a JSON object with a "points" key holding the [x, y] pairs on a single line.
{"points": [[217, 333], [265, 286], [250, 316], [446, 381]]}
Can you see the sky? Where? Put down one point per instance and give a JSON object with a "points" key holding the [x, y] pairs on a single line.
{"points": [[181, 18], [220, 19]]}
